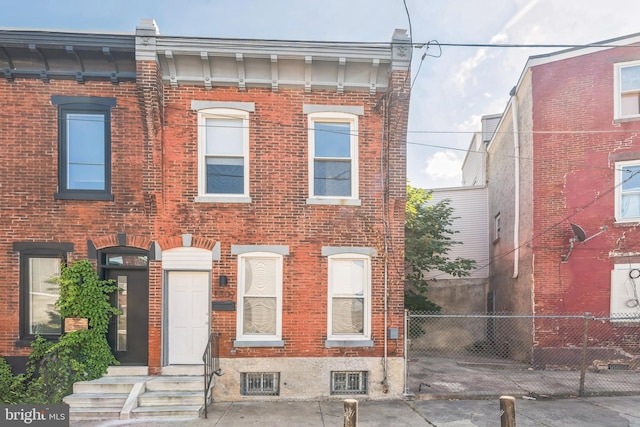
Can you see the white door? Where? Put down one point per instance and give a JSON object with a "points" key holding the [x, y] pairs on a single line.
{"points": [[188, 316]]}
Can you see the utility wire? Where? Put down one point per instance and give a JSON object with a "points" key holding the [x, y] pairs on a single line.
{"points": [[384, 45], [268, 125], [553, 226]]}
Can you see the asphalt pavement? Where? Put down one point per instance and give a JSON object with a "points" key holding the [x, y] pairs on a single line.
{"points": [[568, 412]]}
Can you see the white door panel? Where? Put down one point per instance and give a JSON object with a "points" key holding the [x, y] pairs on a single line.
{"points": [[188, 316]]}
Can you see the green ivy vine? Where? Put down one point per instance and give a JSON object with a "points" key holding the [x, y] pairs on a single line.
{"points": [[80, 355]]}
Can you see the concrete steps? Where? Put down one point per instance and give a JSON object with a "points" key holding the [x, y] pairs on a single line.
{"points": [[174, 411], [141, 397]]}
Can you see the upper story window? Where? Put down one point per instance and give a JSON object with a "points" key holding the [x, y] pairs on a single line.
{"points": [[223, 152], [259, 315], [627, 90], [497, 226], [627, 193], [84, 147], [333, 155]]}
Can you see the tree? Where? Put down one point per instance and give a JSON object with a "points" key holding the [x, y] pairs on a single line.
{"points": [[428, 240]]}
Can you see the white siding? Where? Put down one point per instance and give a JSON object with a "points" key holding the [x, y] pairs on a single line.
{"points": [[470, 206], [474, 163]]}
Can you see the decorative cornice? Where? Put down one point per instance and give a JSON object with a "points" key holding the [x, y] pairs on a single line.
{"points": [[66, 55], [243, 63]]}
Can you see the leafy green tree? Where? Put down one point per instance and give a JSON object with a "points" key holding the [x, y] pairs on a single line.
{"points": [[428, 240]]}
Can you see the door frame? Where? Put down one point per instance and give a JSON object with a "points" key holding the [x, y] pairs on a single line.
{"points": [[105, 269], [165, 308]]}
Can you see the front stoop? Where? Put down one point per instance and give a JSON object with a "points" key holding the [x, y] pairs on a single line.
{"points": [[170, 397], [140, 397]]}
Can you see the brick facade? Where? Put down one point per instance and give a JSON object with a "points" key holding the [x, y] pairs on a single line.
{"points": [[569, 141], [155, 181]]}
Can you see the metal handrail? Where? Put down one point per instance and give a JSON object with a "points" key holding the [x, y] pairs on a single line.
{"points": [[211, 359]]}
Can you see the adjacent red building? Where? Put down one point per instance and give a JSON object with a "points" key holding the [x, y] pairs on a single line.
{"points": [[564, 194]]}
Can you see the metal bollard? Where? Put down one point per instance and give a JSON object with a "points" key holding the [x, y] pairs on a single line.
{"points": [[350, 413], [507, 411]]}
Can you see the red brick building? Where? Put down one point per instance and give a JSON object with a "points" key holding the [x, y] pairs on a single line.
{"points": [[567, 151], [254, 189]]}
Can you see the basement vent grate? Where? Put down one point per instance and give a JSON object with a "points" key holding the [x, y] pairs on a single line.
{"points": [[618, 367], [349, 382], [260, 383]]}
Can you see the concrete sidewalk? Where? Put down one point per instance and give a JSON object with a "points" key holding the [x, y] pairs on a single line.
{"points": [[574, 412]]}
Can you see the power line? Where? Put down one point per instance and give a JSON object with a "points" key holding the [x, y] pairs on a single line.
{"points": [[598, 197], [243, 43], [528, 46], [268, 125]]}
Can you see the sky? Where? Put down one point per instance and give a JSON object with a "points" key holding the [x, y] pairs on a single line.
{"points": [[453, 87]]}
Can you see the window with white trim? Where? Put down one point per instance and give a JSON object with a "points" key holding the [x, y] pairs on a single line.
{"points": [[223, 155], [627, 191], [333, 158], [627, 90], [349, 304], [625, 293], [259, 296]]}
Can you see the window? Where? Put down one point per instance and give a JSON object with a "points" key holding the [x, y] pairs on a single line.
{"points": [[223, 155], [627, 190], [627, 90], [333, 159], [260, 383], [259, 299], [349, 382], [625, 292], [84, 147], [40, 266], [349, 303], [496, 227]]}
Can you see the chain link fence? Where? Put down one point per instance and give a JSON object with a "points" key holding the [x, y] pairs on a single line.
{"points": [[475, 355]]}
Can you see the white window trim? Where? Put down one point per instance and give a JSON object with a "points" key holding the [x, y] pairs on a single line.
{"points": [[621, 290], [619, 166], [249, 340], [203, 115], [617, 108], [348, 339], [337, 117]]}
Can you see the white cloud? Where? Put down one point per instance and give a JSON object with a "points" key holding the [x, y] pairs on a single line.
{"points": [[444, 167], [466, 68], [472, 124]]}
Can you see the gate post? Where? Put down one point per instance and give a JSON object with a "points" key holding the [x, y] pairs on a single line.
{"points": [[406, 368], [350, 413], [507, 411], [583, 364]]}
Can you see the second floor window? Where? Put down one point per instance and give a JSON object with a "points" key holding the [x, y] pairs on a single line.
{"points": [[223, 153], [627, 201], [333, 143], [84, 148], [627, 92]]}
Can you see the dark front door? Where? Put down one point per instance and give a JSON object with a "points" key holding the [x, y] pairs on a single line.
{"points": [[129, 332]]}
